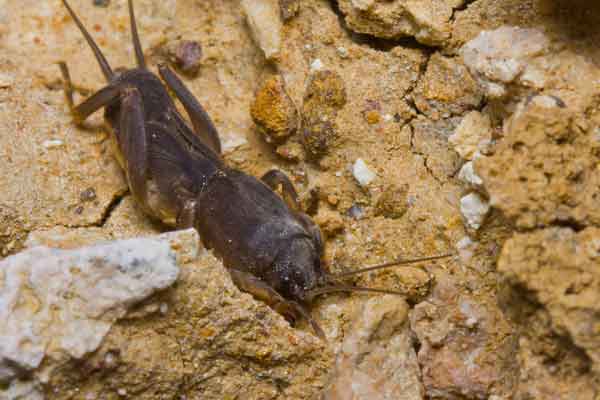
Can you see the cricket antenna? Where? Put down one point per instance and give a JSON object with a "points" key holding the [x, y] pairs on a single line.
{"points": [[343, 288], [400, 261], [330, 286], [106, 70], [139, 53]]}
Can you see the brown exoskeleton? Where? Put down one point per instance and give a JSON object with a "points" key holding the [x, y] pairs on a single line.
{"points": [[176, 174]]}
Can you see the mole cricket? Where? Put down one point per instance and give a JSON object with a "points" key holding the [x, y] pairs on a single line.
{"points": [[176, 174]]}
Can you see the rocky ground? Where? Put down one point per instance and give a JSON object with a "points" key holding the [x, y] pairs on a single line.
{"points": [[408, 127]]}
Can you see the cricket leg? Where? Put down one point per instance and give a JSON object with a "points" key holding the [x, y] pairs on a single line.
{"points": [[261, 291], [101, 98], [274, 178], [134, 143], [203, 126], [187, 215]]}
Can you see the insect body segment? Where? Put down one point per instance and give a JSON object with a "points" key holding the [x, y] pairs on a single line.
{"points": [[176, 174]]}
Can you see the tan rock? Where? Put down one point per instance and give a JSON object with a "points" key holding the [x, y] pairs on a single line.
{"points": [[559, 269], [392, 202], [446, 89], [376, 359], [430, 140], [544, 171], [330, 221], [455, 332], [473, 129], [427, 21], [263, 18]]}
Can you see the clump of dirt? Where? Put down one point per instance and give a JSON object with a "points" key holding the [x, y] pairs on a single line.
{"points": [[464, 127], [325, 95]]}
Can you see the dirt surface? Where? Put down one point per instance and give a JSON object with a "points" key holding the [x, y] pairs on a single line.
{"points": [[409, 128]]}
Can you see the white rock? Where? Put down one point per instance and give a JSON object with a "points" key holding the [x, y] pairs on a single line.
{"points": [[506, 55], [316, 65], [467, 175], [362, 173], [474, 209], [51, 143], [59, 304], [465, 249], [22, 390], [265, 24], [342, 52]]}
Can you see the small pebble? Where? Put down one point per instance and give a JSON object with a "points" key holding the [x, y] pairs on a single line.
{"points": [[101, 3], [88, 194], [110, 360], [471, 322], [372, 117], [188, 55], [342, 52], [474, 209], [467, 175], [51, 143], [362, 173], [164, 308], [316, 65], [356, 211], [6, 80]]}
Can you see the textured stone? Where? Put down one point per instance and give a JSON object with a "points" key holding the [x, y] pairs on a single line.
{"points": [[446, 89], [47, 181], [289, 8], [428, 21], [376, 359], [544, 171], [186, 55], [559, 269], [57, 305], [468, 175], [455, 330], [362, 173], [263, 18], [473, 129], [474, 209], [507, 56], [430, 140], [325, 95]]}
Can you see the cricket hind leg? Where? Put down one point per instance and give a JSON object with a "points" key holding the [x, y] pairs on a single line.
{"points": [[102, 98], [203, 125], [134, 143], [261, 291]]}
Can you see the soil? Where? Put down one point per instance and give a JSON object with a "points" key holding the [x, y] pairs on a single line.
{"points": [[513, 315]]}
